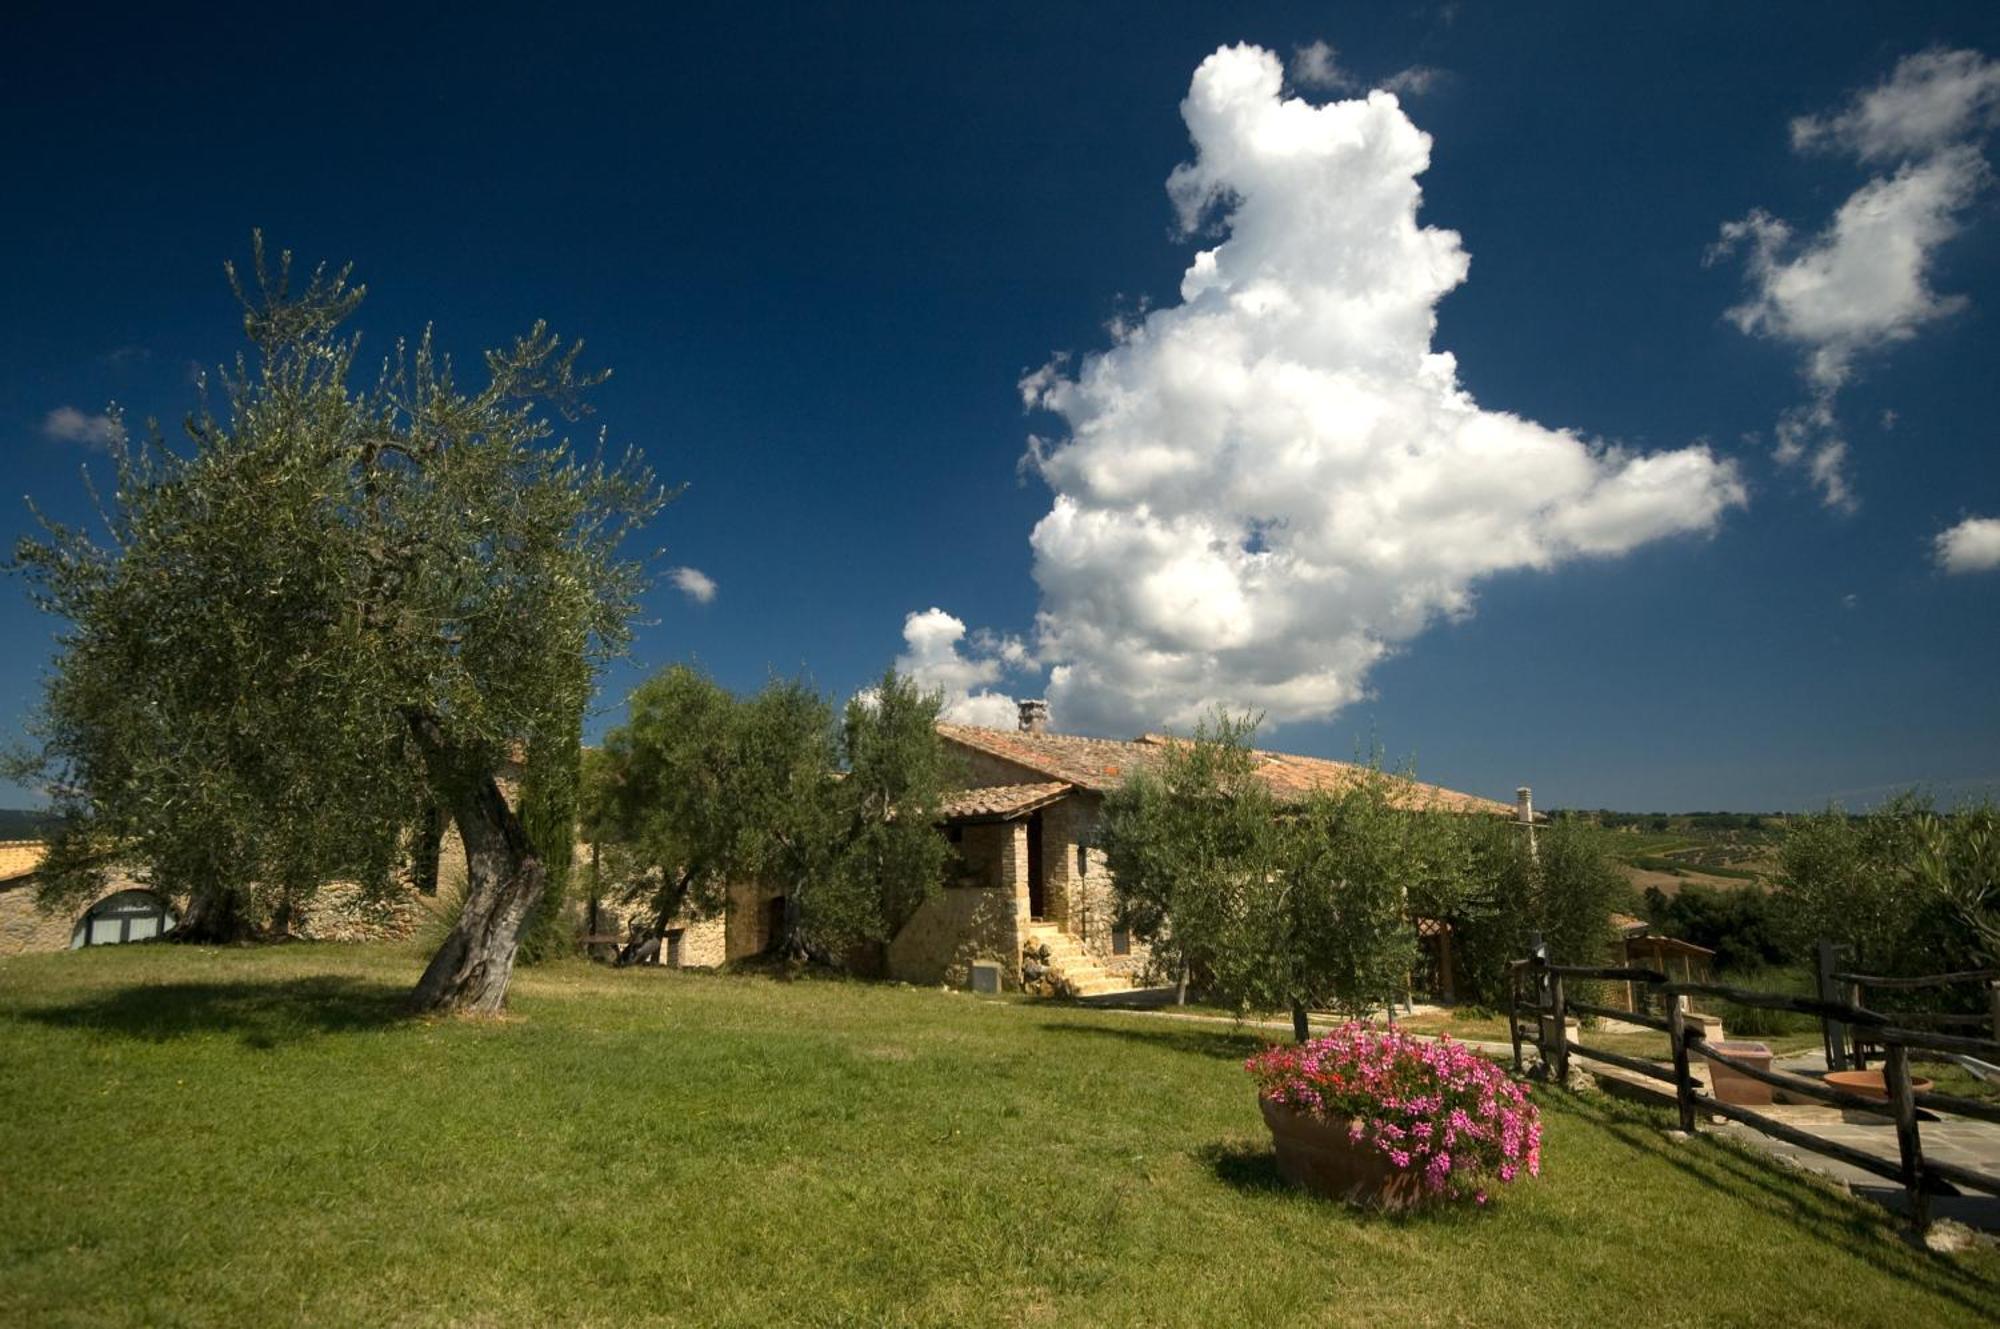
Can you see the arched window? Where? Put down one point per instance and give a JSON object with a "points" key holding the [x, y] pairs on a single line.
{"points": [[125, 916]]}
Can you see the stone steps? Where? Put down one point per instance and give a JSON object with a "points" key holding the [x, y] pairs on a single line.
{"points": [[1077, 967]]}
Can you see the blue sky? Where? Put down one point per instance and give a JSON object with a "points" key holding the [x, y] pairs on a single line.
{"points": [[822, 252]]}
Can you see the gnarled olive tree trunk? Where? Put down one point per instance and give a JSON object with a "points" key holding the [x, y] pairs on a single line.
{"points": [[504, 879], [215, 916]]}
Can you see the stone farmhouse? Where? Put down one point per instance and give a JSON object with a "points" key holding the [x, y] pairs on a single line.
{"points": [[1026, 826]]}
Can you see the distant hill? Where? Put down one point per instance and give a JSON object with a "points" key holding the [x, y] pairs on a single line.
{"points": [[23, 823]]}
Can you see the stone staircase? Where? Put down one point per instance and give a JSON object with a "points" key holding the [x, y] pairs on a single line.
{"points": [[1077, 967]]}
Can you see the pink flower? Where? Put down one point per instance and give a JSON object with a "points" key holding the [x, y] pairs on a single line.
{"points": [[1434, 1108]]}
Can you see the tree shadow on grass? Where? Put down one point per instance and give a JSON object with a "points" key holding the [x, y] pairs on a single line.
{"points": [[1814, 1209], [1222, 1044], [264, 1015], [1245, 1166]]}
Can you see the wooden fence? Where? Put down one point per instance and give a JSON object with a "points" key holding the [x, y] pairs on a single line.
{"points": [[1848, 1046], [1538, 996]]}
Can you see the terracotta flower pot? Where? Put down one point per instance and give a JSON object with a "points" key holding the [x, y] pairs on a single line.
{"points": [[1317, 1153]]}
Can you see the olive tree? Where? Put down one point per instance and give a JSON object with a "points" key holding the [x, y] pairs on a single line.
{"points": [[700, 788], [1296, 905], [328, 610], [1187, 842]]}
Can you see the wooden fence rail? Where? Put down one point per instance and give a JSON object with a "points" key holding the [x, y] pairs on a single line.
{"points": [[1847, 1045], [1538, 1005]]}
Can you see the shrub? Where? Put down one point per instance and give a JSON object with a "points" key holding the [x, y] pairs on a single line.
{"points": [[1565, 886], [1433, 1108]]}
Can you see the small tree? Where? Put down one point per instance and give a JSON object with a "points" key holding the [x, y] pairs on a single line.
{"points": [[332, 611], [668, 792], [791, 809], [1300, 906], [1906, 889], [892, 858], [699, 789], [1562, 884], [1338, 931], [1186, 843]]}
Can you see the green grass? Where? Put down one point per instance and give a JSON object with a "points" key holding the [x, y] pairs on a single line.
{"points": [[200, 1137]]}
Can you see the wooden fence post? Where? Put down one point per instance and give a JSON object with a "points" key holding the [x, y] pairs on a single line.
{"points": [[1558, 1016], [1857, 1053], [1514, 1013], [1896, 1076], [1833, 1035], [1683, 1076]]}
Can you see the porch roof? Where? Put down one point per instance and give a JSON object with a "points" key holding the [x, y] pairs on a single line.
{"points": [[1001, 802]]}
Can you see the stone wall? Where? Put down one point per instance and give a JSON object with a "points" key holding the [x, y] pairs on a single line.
{"points": [[26, 930], [342, 911], [1078, 885], [980, 915], [704, 943]]}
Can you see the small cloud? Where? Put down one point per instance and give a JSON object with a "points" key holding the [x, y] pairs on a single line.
{"points": [[1316, 66], [1930, 100], [695, 584], [68, 425], [1889, 419], [123, 356], [1414, 81], [1971, 546], [1850, 601], [1862, 283]]}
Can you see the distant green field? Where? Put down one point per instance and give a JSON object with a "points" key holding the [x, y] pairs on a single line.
{"points": [[1679, 864]]}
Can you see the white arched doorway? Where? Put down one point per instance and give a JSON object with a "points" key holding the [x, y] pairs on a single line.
{"points": [[126, 916]]}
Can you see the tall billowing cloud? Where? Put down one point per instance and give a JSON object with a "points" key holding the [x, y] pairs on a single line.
{"points": [[935, 655], [1266, 488], [1863, 282]]}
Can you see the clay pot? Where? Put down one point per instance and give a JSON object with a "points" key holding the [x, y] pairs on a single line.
{"points": [[1870, 1084], [1316, 1153]]}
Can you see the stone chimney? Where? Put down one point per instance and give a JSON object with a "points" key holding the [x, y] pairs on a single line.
{"points": [[1524, 805], [1034, 716]]}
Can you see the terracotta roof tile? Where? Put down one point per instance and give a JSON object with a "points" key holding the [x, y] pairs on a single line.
{"points": [[1101, 764], [1001, 802]]}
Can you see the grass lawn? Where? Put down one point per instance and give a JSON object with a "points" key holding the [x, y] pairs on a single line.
{"points": [[200, 1137]]}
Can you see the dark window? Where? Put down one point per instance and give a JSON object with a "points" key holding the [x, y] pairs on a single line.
{"points": [[1037, 896], [774, 922], [674, 948], [1121, 942], [1082, 861]]}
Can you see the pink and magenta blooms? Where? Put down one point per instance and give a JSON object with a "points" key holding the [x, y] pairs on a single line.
{"points": [[1433, 1108]]}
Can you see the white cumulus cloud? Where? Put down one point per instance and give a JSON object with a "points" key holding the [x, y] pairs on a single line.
{"points": [[1266, 488], [1863, 282], [69, 425], [695, 584], [934, 656], [1971, 546], [1930, 100]]}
